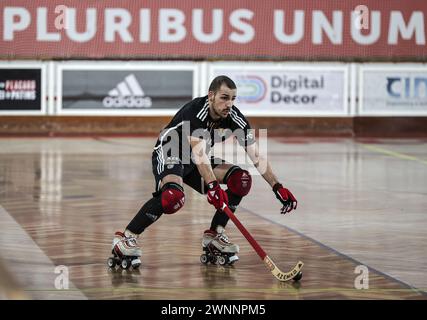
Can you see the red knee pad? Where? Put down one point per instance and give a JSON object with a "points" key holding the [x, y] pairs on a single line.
{"points": [[239, 182], [172, 198]]}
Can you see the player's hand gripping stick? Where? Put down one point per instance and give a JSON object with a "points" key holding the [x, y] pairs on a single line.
{"points": [[216, 196]]}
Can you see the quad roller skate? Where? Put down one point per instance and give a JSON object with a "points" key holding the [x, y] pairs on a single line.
{"points": [[218, 249], [125, 251]]}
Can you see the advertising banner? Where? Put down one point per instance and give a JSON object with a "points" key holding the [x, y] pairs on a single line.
{"points": [[20, 89], [201, 29], [127, 90], [289, 90], [393, 91]]}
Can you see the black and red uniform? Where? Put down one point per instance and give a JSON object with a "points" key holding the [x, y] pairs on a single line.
{"points": [[172, 155], [172, 152]]}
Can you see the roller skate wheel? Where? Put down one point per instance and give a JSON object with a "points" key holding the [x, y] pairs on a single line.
{"points": [[204, 259], [111, 262], [298, 276], [136, 263], [125, 264], [222, 260], [212, 259]]}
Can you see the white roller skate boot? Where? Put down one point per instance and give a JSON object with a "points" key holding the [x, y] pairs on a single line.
{"points": [[217, 248], [125, 250]]}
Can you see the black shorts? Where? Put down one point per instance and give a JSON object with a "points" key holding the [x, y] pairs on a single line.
{"points": [[173, 165]]}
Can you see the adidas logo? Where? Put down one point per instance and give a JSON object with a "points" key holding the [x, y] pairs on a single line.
{"points": [[128, 94]]}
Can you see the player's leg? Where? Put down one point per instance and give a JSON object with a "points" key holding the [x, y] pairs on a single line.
{"points": [[216, 245], [238, 183], [168, 198]]}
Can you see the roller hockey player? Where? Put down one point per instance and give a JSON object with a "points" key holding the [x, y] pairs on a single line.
{"points": [[181, 156]]}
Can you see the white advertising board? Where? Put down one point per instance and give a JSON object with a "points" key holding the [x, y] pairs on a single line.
{"points": [[393, 90], [288, 89]]}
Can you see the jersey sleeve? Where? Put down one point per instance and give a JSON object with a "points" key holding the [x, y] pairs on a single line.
{"points": [[242, 130]]}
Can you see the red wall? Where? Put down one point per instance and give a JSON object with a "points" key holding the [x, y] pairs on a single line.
{"points": [[251, 37]]}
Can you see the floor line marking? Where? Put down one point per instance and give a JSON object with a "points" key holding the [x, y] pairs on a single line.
{"points": [[225, 289], [410, 287], [393, 153], [31, 267]]}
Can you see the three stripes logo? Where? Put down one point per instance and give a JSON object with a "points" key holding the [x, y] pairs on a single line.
{"points": [[127, 94]]}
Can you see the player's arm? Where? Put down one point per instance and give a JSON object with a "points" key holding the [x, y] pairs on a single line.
{"points": [[263, 166], [216, 196], [200, 157]]}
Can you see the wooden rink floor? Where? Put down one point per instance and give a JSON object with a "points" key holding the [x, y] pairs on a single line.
{"points": [[360, 203]]}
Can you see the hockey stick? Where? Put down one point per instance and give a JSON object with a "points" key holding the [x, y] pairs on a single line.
{"points": [[294, 274]]}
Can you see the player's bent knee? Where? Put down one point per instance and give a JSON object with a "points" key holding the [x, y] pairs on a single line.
{"points": [[239, 181], [173, 197]]}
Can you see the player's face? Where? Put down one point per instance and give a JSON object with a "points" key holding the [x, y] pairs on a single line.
{"points": [[222, 101]]}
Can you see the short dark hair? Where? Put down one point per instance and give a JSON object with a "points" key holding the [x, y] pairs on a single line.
{"points": [[219, 81]]}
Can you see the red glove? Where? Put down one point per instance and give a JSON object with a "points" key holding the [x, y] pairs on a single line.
{"points": [[285, 197], [216, 196]]}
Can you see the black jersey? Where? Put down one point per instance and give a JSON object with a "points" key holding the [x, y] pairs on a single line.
{"points": [[193, 119]]}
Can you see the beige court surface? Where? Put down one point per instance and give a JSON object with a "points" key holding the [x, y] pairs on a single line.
{"points": [[362, 205]]}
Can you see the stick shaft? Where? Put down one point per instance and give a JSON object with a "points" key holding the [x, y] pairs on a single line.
{"points": [[261, 253], [281, 276]]}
